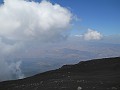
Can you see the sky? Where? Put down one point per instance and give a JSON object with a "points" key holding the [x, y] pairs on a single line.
{"points": [[58, 31], [100, 15]]}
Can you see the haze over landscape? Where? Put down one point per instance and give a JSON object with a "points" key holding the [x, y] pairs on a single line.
{"points": [[37, 36]]}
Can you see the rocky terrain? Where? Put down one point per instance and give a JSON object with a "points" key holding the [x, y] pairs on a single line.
{"points": [[99, 74]]}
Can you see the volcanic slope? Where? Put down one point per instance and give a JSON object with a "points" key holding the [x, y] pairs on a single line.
{"points": [[97, 74]]}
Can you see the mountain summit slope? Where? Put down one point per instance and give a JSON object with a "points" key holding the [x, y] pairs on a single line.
{"points": [[99, 74]]}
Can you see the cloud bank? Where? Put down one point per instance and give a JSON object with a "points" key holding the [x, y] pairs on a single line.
{"points": [[92, 35], [23, 21]]}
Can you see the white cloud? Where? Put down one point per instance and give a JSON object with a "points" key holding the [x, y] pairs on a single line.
{"points": [[10, 71], [92, 35], [15, 69], [23, 22]]}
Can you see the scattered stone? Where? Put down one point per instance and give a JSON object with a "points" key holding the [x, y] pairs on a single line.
{"points": [[79, 88], [114, 88]]}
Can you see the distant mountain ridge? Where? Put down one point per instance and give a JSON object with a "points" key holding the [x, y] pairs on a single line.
{"points": [[98, 74]]}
